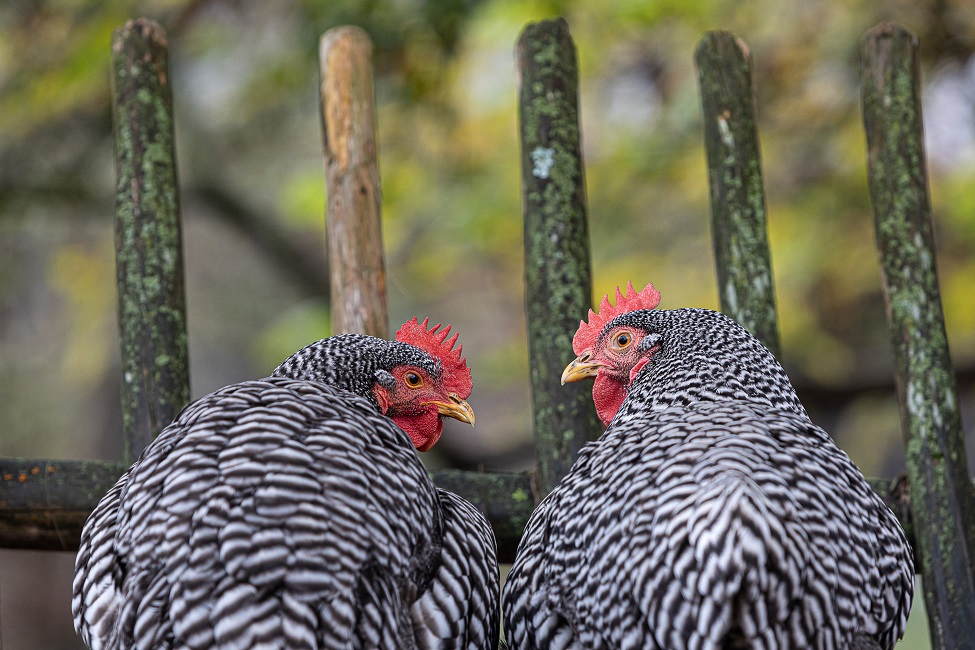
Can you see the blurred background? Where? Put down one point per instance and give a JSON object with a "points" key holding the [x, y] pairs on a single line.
{"points": [[245, 82]]}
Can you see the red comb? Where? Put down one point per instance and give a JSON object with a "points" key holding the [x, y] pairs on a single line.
{"points": [[456, 374], [587, 333]]}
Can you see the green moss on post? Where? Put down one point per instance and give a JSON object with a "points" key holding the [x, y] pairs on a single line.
{"points": [[558, 280], [738, 215], [148, 244], [942, 499]]}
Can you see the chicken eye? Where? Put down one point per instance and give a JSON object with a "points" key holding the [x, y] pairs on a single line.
{"points": [[622, 340], [413, 380]]}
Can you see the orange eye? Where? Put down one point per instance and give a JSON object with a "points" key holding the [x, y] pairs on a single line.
{"points": [[413, 380], [622, 340]]}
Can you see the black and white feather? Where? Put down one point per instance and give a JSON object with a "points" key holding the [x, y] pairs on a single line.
{"points": [[287, 513], [711, 514]]}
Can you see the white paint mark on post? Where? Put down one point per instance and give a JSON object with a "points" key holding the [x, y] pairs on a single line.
{"points": [[724, 130], [543, 159]]}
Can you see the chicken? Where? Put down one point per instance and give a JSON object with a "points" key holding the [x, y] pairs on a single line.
{"points": [[711, 514], [293, 512]]}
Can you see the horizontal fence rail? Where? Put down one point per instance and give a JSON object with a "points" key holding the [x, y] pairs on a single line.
{"points": [[44, 503]]}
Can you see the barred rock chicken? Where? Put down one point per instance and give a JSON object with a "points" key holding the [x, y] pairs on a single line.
{"points": [[711, 514], [293, 512]]}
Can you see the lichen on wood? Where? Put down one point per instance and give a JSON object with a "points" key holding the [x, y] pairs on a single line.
{"points": [[357, 269], [943, 502], [148, 240], [558, 278], [738, 213]]}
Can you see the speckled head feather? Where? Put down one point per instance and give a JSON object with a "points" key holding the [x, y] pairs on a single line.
{"points": [[587, 333], [456, 374], [351, 361], [702, 356]]}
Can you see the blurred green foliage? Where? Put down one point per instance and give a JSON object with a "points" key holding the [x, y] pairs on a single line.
{"points": [[244, 77]]}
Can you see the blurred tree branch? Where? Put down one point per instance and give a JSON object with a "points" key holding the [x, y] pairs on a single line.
{"points": [[305, 263]]}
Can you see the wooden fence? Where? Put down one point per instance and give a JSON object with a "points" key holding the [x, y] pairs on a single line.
{"points": [[44, 503]]}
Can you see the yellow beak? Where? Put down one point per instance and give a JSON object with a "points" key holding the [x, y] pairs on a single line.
{"points": [[581, 368], [456, 408]]}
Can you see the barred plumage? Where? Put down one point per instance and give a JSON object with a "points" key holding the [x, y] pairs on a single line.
{"points": [[287, 513], [711, 514]]}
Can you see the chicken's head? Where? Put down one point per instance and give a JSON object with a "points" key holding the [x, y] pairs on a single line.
{"points": [[612, 353], [416, 397]]}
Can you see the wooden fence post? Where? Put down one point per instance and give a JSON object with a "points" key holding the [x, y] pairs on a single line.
{"points": [[738, 214], [354, 232], [148, 243], [558, 280], [356, 265], [942, 499]]}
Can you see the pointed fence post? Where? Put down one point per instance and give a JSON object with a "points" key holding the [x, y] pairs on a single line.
{"points": [[357, 269], [738, 214], [558, 279], [148, 241], [942, 499]]}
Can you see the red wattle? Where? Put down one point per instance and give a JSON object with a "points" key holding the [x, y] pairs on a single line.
{"points": [[608, 395], [424, 429]]}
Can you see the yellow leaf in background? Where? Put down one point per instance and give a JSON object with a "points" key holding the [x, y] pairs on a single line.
{"points": [[85, 277]]}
